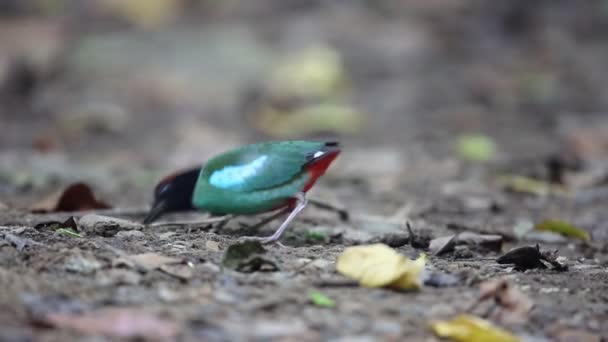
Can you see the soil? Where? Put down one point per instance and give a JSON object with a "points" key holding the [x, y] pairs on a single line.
{"points": [[119, 106]]}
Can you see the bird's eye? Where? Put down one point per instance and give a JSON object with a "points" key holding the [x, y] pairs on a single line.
{"points": [[161, 188], [165, 187]]}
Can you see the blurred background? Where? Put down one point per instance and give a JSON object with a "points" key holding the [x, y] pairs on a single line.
{"points": [[118, 92]]}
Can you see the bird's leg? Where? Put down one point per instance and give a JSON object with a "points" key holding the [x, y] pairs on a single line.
{"points": [[300, 204], [270, 218]]}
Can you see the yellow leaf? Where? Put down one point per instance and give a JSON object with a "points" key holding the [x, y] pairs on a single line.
{"points": [[531, 186], [476, 147], [412, 278], [144, 13], [378, 265], [310, 119], [563, 228], [312, 72], [468, 328]]}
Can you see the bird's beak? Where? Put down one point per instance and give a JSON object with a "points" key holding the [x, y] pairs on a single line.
{"points": [[157, 210]]}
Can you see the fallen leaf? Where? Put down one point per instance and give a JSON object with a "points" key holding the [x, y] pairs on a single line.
{"points": [[312, 72], [144, 13], [248, 256], [68, 232], [563, 228], [468, 328], [115, 322], [378, 265], [476, 147], [524, 258], [59, 227], [529, 257], [531, 186], [75, 197], [489, 241], [515, 304], [146, 261], [316, 236], [309, 119], [442, 244], [573, 335], [446, 244], [319, 299]]}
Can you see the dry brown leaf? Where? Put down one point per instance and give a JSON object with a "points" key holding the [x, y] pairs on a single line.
{"points": [[446, 244], [572, 335], [442, 244], [514, 304], [75, 197], [489, 241], [114, 322], [146, 261]]}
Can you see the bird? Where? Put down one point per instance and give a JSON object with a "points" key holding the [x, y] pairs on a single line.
{"points": [[248, 180]]}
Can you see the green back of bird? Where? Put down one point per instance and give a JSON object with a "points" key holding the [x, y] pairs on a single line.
{"points": [[254, 178]]}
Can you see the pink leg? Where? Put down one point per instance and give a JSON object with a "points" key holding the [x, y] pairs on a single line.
{"points": [[301, 202]]}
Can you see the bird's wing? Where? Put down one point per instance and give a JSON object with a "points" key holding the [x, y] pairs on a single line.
{"points": [[263, 166]]}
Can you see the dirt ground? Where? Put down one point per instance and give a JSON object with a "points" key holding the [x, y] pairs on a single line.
{"points": [[117, 96]]}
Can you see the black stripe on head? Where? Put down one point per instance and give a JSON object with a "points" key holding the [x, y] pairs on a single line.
{"points": [[174, 193], [328, 147]]}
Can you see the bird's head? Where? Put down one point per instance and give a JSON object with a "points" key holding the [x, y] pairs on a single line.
{"points": [[173, 193]]}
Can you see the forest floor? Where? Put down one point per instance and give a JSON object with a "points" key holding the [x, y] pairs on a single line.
{"points": [[120, 122]]}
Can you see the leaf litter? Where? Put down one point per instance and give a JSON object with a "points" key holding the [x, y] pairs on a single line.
{"points": [[564, 228], [514, 306], [469, 328], [115, 322], [247, 257], [445, 244], [531, 257], [378, 265], [321, 300], [75, 197]]}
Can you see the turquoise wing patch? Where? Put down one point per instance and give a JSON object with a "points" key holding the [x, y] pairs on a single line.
{"points": [[238, 177], [260, 166]]}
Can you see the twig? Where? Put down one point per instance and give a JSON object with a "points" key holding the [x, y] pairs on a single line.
{"points": [[335, 283], [321, 204], [209, 220]]}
